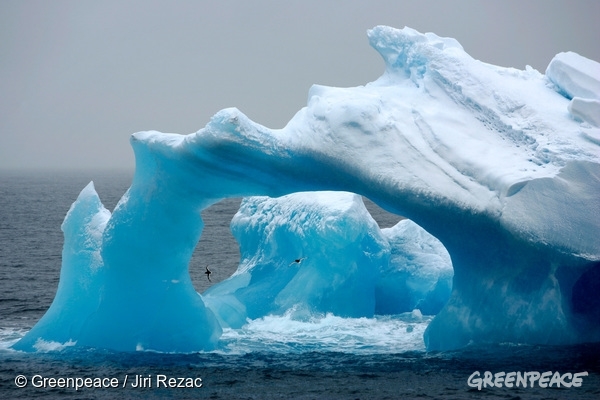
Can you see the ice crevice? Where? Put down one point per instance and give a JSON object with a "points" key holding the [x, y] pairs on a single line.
{"points": [[490, 161]]}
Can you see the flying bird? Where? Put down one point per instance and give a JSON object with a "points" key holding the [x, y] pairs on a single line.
{"points": [[207, 273], [297, 261]]}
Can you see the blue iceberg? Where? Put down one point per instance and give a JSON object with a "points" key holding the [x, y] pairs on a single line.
{"points": [[502, 166], [112, 296]]}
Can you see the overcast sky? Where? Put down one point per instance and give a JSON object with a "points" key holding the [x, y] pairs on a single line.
{"points": [[77, 78]]}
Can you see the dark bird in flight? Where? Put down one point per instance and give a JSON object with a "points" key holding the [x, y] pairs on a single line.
{"points": [[207, 273], [297, 261]]}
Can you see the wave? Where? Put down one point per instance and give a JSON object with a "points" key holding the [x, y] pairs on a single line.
{"points": [[298, 331]]}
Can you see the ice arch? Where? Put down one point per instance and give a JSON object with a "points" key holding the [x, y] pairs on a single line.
{"points": [[487, 159]]}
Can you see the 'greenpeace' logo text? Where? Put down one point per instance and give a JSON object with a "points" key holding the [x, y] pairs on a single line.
{"points": [[517, 379]]}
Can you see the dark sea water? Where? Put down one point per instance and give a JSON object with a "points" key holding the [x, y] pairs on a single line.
{"points": [[271, 358]]}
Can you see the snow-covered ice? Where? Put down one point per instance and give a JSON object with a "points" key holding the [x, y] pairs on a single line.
{"points": [[587, 110], [501, 165], [575, 76], [578, 79]]}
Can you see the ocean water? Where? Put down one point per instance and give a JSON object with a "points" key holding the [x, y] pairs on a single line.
{"points": [[323, 356]]}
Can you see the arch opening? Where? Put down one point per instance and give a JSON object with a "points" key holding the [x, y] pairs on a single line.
{"points": [[217, 247], [413, 272]]}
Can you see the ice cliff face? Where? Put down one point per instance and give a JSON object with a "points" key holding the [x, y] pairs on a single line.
{"points": [[501, 165]]}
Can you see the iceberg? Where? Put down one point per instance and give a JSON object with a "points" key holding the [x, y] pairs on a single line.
{"points": [[502, 166]]}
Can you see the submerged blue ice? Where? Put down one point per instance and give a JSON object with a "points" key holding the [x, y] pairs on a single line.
{"points": [[502, 166]]}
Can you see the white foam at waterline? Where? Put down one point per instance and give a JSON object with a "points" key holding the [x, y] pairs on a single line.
{"points": [[9, 336], [284, 334], [44, 346], [288, 334]]}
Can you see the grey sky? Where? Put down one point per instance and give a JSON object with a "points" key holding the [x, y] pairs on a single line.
{"points": [[78, 77]]}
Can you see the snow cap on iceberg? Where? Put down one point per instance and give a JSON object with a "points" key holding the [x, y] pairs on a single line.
{"points": [[408, 50]]}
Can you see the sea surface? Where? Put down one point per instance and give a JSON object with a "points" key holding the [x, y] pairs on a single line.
{"points": [[323, 357]]}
